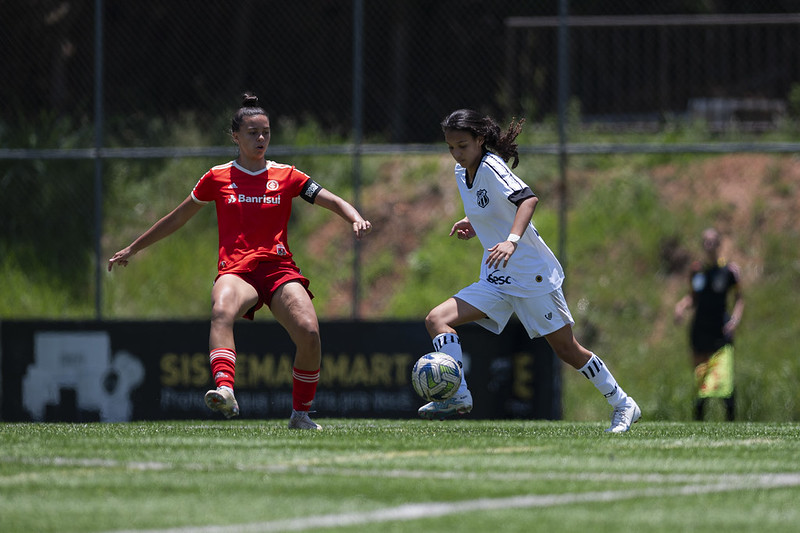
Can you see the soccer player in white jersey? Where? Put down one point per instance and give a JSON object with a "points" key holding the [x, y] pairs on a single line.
{"points": [[253, 198], [519, 273]]}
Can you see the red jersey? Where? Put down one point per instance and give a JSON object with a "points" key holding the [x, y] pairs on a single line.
{"points": [[253, 210]]}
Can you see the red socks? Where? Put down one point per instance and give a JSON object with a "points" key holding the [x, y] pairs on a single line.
{"points": [[223, 366], [304, 382], [304, 388]]}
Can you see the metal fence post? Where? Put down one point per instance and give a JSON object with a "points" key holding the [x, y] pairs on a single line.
{"points": [[98, 162], [563, 98], [358, 133]]}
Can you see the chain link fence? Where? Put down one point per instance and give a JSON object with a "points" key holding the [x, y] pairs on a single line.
{"points": [[100, 97]]}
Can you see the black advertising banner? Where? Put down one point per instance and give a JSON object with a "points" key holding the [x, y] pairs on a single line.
{"points": [[120, 371]]}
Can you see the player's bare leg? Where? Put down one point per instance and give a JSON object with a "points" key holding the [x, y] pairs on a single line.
{"points": [[231, 297], [292, 307]]}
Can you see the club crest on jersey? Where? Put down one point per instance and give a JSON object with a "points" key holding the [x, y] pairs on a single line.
{"points": [[272, 185], [483, 198]]}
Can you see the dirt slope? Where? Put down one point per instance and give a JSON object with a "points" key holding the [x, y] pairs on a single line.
{"points": [[748, 194]]}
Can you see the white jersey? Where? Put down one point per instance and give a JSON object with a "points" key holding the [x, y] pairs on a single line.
{"points": [[533, 268]]}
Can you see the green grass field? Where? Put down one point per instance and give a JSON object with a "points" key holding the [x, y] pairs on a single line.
{"points": [[399, 475]]}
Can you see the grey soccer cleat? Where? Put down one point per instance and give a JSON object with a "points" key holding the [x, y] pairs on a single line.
{"points": [[300, 420]]}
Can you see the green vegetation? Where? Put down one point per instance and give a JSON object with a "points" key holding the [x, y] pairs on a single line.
{"points": [[411, 475], [633, 222]]}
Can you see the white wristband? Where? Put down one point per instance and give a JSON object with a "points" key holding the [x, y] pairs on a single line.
{"points": [[512, 237]]}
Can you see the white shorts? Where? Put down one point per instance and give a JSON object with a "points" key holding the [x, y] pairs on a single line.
{"points": [[541, 315]]}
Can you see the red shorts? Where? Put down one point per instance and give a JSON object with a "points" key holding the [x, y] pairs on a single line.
{"points": [[266, 277]]}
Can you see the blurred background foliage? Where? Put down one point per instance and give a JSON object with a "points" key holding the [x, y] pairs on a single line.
{"points": [[172, 77]]}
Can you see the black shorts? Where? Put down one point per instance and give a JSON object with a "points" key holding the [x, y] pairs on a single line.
{"points": [[708, 341]]}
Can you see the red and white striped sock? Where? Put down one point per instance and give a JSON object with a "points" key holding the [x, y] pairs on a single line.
{"points": [[223, 366], [304, 388]]}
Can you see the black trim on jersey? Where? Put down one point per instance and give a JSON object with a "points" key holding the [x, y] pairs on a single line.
{"points": [[517, 197], [512, 183], [310, 191]]}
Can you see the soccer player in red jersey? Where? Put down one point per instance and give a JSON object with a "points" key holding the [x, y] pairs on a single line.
{"points": [[253, 197]]}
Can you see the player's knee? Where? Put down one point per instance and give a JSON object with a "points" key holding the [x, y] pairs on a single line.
{"points": [[223, 312], [434, 321], [305, 335]]}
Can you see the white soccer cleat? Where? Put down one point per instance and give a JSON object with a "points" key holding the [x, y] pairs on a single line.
{"points": [[460, 404], [300, 420], [624, 417], [222, 400]]}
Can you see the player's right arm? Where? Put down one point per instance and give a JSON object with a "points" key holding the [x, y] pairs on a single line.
{"points": [[163, 228]]}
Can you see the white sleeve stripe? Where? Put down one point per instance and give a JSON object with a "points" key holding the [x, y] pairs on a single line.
{"points": [[197, 200]]}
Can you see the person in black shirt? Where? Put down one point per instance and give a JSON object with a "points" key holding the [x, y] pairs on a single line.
{"points": [[712, 327]]}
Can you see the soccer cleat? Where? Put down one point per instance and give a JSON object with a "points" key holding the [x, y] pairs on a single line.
{"points": [[460, 404], [624, 416], [222, 400], [300, 420]]}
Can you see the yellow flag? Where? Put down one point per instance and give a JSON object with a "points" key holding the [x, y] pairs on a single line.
{"points": [[715, 378]]}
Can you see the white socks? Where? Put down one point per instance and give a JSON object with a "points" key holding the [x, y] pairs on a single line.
{"points": [[450, 344], [594, 370], [597, 372]]}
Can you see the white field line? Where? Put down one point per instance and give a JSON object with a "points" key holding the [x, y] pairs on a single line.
{"points": [[683, 484], [416, 511], [456, 475]]}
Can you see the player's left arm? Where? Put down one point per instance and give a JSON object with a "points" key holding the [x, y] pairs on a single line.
{"points": [[500, 253], [344, 209], [738, 301]]}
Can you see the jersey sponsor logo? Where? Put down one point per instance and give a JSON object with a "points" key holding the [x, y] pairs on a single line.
{"points": [[233, 186], [272, 185], [483, 198], [244, 199], [498, 280]]}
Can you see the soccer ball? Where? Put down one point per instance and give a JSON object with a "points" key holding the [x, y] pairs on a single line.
{"points": [[436, 376]]}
